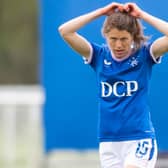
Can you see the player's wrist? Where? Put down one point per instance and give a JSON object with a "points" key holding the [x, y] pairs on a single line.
{"points": [[143, 15], [100, 12]]}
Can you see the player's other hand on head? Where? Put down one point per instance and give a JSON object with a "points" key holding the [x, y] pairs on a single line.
{"points": [[132, 9], [129, 7], [111, 8]]}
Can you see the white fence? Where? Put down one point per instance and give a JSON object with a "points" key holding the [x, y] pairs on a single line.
{"points": [[20, 126]]}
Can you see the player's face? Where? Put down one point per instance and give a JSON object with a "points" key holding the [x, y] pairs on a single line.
{"points": [[119, 42]]}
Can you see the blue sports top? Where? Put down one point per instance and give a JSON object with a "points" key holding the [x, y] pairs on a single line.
{"points": [[123, 93]]}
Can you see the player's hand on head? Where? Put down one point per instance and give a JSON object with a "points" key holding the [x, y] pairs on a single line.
{"points": [[133, 9], [111, 8]]}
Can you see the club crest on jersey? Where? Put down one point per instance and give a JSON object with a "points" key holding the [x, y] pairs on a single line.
{"points": [[108, 89], [133, 62]]}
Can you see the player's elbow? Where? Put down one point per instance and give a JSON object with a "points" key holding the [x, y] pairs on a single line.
{"points": [[63, 32]]}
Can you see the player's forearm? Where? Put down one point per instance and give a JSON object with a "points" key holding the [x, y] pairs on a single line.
{"points": [[78, 22], [159, 24]]}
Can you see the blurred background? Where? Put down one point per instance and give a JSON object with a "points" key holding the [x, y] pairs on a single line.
{"points": [[48, 100]]}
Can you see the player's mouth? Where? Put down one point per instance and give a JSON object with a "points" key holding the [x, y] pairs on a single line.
{"points": [[119, 53]]}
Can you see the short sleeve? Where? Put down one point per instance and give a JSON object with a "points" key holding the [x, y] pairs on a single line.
{"points": [[96, 55], [149, 54]]}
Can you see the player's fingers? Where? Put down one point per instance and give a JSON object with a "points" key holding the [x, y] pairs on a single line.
{"points": [[121, 8], [126, 8], [129, 7], [118, 7]]}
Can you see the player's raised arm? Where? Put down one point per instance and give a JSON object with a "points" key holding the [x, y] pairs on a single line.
{"points": [[69, 29], [160, 46]]}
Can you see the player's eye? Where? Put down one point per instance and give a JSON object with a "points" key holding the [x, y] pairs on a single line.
{"points": [[124, 39], [113, 39]]}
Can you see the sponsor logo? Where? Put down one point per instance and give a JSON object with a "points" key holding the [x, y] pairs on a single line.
{"points": [[108, 89], [107, 62]]}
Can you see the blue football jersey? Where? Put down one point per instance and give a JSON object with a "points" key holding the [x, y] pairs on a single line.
{"points": [[123, 94]]}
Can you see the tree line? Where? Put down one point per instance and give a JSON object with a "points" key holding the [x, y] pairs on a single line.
{"points": [[19, 56]]}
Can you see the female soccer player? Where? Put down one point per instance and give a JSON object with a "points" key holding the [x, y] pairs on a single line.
{"points": [[123, 69]]}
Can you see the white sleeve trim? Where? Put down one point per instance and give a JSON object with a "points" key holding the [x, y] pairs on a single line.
{"points": [[156, 60], [88, 60]]}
